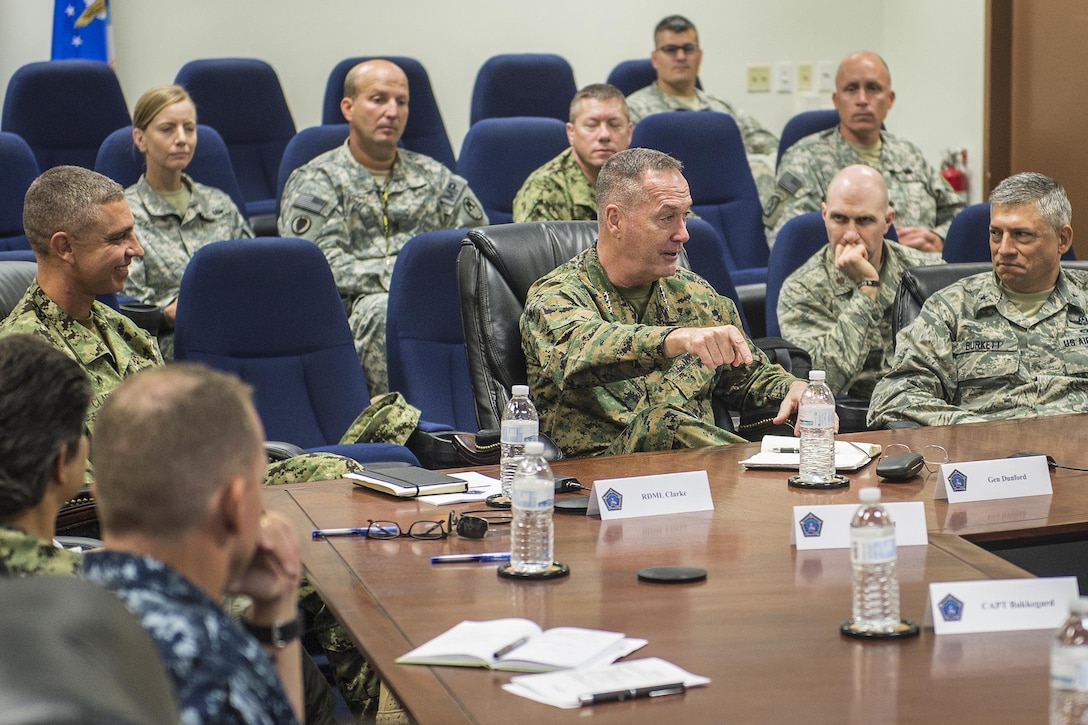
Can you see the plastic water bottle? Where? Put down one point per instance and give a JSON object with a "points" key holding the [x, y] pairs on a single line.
{"points": [[816, 416], [1069, 667], [533, 499], [873, 556], [519, 425]]}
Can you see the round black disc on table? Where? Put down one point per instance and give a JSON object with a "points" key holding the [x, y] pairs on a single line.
{"points": [[904, 629], [572, 505], [837, 482], [498, 501], [555, 571], [672, 574]]}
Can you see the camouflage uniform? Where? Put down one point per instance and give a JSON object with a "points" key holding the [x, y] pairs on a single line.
{"points": [[557, 191], [169, 240], [849, 335], [972, 355], [599, 375], [760, 144], [918, 193], [22, 554], [335, 202], [220, 672], [122, 349]]}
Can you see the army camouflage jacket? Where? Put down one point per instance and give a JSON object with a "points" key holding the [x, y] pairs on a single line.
{"points": [[122, 349], [592, 365], [557, 191], [169, 240], [22, 554], [220, 673], [847, 334], [972, 355], [335, 202], [651, 99], [918, 193]]}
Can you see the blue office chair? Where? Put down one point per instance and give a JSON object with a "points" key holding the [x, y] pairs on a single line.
{"points": [[20, 169], [498, 154], [722, 189], [425, 131], [119, 159], [632, 75], [804, 124], [523, 84], [64, 109], [709, 259], [425, 344], [306, 145], [799, 239], [268, 310], [242, 99]]}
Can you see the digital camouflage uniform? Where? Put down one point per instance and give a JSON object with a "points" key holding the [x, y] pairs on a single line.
{"points": [[220, 672], [760, 144], [22, 554], [122, 349], [170, 240], [972, 355], [335, 202], [557, 191], [848, 335], [917, 191], [599, 375]]}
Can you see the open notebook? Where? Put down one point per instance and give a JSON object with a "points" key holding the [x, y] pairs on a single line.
{"points": [[783, 452]]}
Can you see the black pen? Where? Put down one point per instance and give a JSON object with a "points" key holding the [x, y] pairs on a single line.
{"points": [[510, 647], [787, 450], [675, 688]]}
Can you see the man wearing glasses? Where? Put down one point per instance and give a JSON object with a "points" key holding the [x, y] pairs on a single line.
{"points": [[1007, 343], [676, 58]]}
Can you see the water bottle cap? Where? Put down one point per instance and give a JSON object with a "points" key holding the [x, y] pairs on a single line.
{"points": [[816, 375], [534, 448], [519, 391], [869, 494]]}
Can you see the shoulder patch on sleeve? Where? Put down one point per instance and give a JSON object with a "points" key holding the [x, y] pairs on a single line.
{"points": [[472, 208], [789, 182], [451, 192], [312, 204]]}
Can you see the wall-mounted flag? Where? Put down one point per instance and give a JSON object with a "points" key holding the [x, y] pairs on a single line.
{"points": [[81, 29]]}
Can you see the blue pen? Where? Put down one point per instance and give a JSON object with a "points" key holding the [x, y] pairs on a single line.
{"points": [[455, 558], [322, 533]]}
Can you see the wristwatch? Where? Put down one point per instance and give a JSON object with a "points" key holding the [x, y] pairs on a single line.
{"points": [[869, 283], [278, 635]]}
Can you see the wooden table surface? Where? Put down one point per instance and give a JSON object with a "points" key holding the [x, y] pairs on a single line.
{"points": [[763, 626]]}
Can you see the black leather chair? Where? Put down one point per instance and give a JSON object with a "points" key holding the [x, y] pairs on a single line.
{"points": [[15, 277], [70, 652], [918, 283], [495, 268]]}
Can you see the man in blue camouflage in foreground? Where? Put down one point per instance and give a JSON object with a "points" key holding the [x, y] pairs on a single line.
{"points": [[1011, 343], [625, 350]]}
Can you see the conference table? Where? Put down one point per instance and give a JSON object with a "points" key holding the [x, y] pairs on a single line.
{"points": [[763, 626]]}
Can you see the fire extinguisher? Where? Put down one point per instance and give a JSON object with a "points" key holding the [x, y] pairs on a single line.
{"points": [[954, 171]]}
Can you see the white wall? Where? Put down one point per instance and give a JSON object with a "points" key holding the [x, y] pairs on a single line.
{"points": [[939, 96]]}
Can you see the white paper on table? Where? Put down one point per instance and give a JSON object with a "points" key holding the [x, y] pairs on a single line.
{"points": [[565, 688], [479, 488]]}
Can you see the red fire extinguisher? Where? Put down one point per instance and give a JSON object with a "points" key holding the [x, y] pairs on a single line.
{"points": [[954, 171]]}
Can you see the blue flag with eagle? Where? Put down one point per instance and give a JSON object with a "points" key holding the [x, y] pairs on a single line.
{"points": [[81, 29]]}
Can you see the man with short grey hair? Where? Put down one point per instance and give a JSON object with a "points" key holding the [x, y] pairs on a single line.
{"points": [[1011, 343]]}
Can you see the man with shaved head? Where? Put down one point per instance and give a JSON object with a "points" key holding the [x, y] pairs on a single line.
{"points": [[362, 201], [838, 304], [923, 201]]}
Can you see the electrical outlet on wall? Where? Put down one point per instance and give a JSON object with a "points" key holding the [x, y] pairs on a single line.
{"points": [[825, 76], [759, 79], [783, 77], [804, 77]]}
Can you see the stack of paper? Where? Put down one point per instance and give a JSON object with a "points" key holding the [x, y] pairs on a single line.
{"points": [[783, 452], [573, 688]]}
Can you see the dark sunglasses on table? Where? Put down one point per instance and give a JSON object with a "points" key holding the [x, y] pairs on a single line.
{"points": [[477, 524]]}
